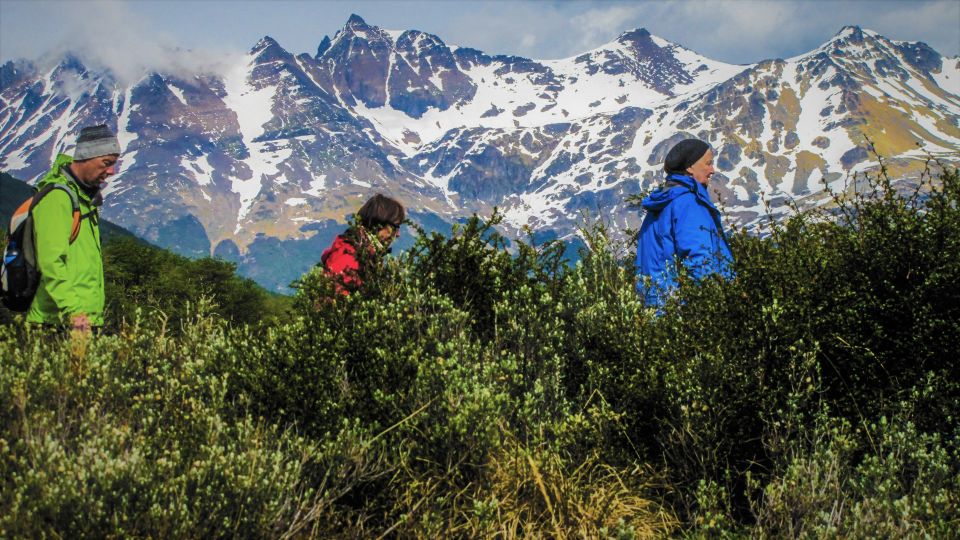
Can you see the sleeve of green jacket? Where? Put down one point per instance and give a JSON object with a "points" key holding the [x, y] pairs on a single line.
{"points": [[53, 219]]}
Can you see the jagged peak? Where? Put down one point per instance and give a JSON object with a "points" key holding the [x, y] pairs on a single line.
{"points": [[852, 34], [849, 30], [324, 46], [68, 63], [848, 38], [18, 63], [356, 26], [15, 71], [855, 31], [268, 50], [264, 43], [71, 61], [420, 38], [635, 35], [356, 21]]}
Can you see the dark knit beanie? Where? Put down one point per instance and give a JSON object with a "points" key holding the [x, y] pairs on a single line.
{"points": [[684, 154], [95, 141]]}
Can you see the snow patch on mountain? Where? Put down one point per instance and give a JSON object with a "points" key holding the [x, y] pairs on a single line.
{"points": [[949, 76], [253, 108], [317, 185], [200, 169], [177, 92]]}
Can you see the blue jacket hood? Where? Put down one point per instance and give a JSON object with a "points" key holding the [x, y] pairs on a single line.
{"points": [[656, 201]]}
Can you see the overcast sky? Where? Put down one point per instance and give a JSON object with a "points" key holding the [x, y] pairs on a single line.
{"points": [[139, 32]]}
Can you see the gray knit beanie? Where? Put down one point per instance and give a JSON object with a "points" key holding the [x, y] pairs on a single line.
{"points": [[96, 141]]}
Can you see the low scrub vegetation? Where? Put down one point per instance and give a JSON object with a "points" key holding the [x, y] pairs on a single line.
{"points": [[465, 391]]}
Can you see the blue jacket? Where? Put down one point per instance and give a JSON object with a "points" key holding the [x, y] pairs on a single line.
{"points": [[681, 225]]}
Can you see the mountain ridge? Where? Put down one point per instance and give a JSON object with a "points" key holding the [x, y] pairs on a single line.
{"points": [[274, 153]]}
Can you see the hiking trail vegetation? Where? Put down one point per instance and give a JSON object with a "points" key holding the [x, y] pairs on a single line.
{"points": [[467, 391]]}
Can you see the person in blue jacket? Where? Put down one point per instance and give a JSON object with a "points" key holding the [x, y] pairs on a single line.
{"points": [[681, 225]]}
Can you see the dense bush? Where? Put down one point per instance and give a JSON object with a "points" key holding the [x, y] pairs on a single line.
{"points": [[465, 391], [131, 435]]}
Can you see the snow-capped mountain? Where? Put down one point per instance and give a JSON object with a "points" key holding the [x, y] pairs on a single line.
{"points": [[261, 163]]}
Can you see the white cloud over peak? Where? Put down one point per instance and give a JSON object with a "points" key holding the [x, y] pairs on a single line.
{"points": [[109, 35]]}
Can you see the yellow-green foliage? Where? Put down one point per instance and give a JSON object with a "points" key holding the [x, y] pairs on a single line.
{"points": [[132, 436]]}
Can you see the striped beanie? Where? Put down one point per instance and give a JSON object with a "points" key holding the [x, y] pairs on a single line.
{"points": [[95, 141]]}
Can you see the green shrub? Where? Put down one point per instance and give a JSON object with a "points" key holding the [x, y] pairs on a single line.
{"points": [[130, 435], [464, 390], [904, 484]]}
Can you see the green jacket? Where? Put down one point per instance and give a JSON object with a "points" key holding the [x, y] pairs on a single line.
{"points": [[71, 279]]}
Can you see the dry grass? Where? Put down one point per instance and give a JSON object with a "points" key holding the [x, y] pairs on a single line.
{"points": [[539, 498]]}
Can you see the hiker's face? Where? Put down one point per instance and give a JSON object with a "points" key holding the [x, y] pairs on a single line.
{"points": [[702, 170], [388, 234], [95, 171]]}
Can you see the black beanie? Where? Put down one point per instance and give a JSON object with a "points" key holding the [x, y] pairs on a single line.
{"points": [[684, 154]]}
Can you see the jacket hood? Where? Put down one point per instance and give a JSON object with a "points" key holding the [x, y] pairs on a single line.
{"points": [[656, 201], [60, 175], [340, 244], [54, 177]]}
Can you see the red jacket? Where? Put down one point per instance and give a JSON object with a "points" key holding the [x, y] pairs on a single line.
{"points": [[340, 262]]}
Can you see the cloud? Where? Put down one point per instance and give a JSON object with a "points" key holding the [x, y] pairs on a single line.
{"points": [[736, 31], [935, 23], [597, 26], [132, 38], [528, 41], [110, 36]]}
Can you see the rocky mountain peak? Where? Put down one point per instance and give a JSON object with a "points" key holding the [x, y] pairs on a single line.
{"points": [[854, 40], [851, 33], [870, 56], [356, 22], [420, 41], [636, 53], [268, 50], [13, 72], [265, 42], [635, 35], [71, 62], [357, 28], [323, 47]]}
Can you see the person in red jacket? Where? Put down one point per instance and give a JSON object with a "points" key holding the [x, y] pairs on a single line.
{"points": [[376, 226]]}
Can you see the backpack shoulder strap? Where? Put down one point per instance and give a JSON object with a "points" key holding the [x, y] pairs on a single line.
{"points": [[74, 203]]}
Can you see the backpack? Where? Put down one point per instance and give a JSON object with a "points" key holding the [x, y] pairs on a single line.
{"points": [[19, 275]]}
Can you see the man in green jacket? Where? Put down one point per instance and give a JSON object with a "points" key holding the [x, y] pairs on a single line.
{"points": [[71, 283]]}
